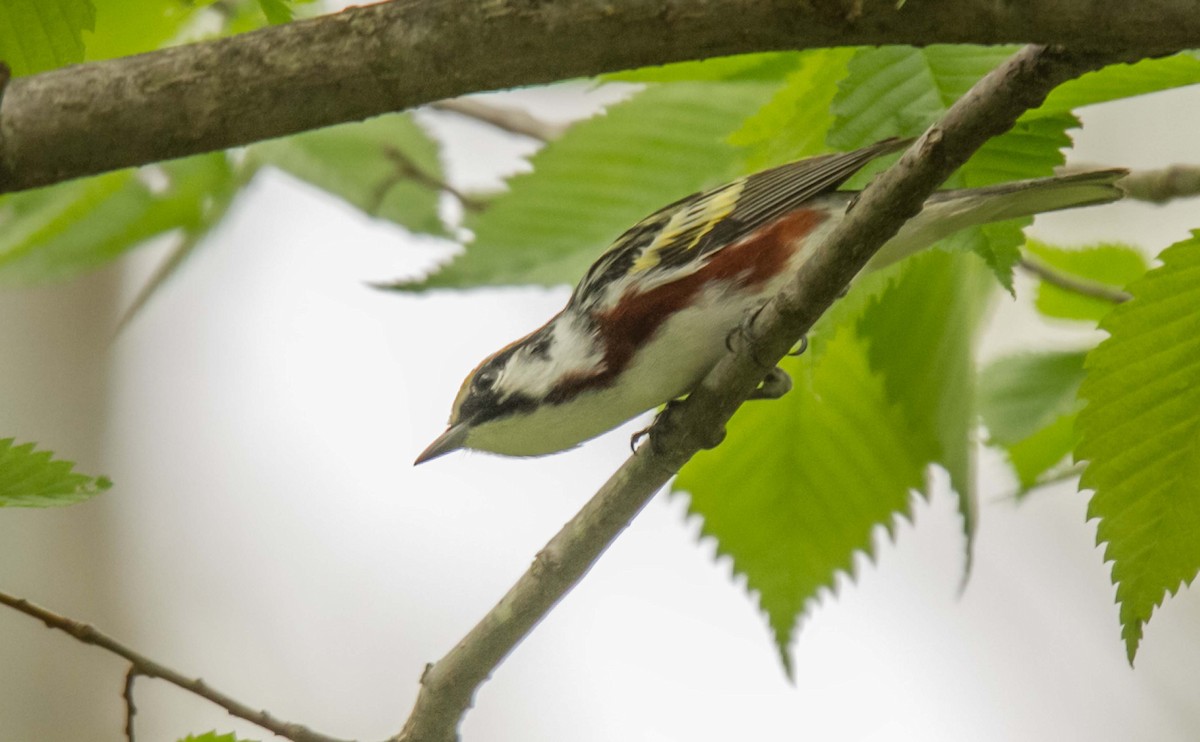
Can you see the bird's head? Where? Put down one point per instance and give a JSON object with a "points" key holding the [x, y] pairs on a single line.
{"points": [[513, 384]]}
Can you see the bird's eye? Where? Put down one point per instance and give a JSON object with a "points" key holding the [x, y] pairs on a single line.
{"points": [[486, 379]]}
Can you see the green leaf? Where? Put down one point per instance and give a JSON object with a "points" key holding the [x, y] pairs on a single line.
{"points": [[900, 91], [34, 479], [599, 179], [800, 484], [1028, 403], [388, 166], [794, 123], [276, 11], [1140, 437], [1122, 81], [1039, 456], [64, 230], [125, 27], [1112, 265], [761, 66], [37, 35], [921, 335], [214, 737], [1031, 149]]}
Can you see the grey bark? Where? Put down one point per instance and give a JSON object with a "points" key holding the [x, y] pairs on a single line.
{"points": [[366, 61]]}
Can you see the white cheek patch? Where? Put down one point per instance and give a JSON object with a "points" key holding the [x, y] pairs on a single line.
{"points": [[572, 350]]}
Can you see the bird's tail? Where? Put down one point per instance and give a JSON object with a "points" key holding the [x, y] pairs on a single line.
{"points": [[946, 212]]}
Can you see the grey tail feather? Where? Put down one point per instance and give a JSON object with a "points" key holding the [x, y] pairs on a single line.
{"points": [[946, 212]]}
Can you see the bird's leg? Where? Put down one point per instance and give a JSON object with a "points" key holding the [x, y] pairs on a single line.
{"points": [[774, 385], [745, 329], [665, 420]]}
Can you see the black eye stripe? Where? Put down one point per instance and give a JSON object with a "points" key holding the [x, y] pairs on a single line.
{"points": [[485, 406], [540, 348]]}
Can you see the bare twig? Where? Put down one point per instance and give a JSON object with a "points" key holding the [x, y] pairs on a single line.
{"points": [[364, 61], [407, 169], [130, 708], [990, 108], [1161, 186], [1157, 186], [142, 665], [222, 201], [1074, 284], [1055, 476], [505, 118]]}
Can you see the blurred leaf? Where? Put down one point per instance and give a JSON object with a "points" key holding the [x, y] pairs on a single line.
{"points": [[1028, 403], [157, 22], [218, 200], [388, 167], [762, 66], [37, 35], [214, 737], [921, 335], [1140, 436], [1110, 264], [800, 484], [276, 11], [794, 123], [1041, 453], [1021, 394], [33, 479], [599, 179], [64, 230], [1122, 81]]}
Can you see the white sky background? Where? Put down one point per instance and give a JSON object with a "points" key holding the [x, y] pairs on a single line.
{"points": [[272, 536]]}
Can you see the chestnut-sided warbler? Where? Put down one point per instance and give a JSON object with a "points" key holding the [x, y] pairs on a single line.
{"points": [[653, 314]]}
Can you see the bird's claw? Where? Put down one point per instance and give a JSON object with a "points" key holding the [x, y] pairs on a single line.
{"points": [[745, 328], [774, 385]]}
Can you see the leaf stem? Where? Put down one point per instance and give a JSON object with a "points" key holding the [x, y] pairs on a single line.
{"points": [[1074, 284], [505, 118]]}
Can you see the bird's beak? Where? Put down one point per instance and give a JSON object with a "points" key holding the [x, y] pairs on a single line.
{"points": [[452, 440]]}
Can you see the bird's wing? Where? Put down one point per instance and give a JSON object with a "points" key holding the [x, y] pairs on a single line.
{"points": [[675, 239]]}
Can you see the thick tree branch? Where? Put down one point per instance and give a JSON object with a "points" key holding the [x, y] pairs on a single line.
{"points": [[365, 61], [990, 108], [142, 665]]}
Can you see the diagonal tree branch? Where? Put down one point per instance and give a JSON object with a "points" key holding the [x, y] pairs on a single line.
{"points": [[990, 108], [143, 665], [90, 118]]}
